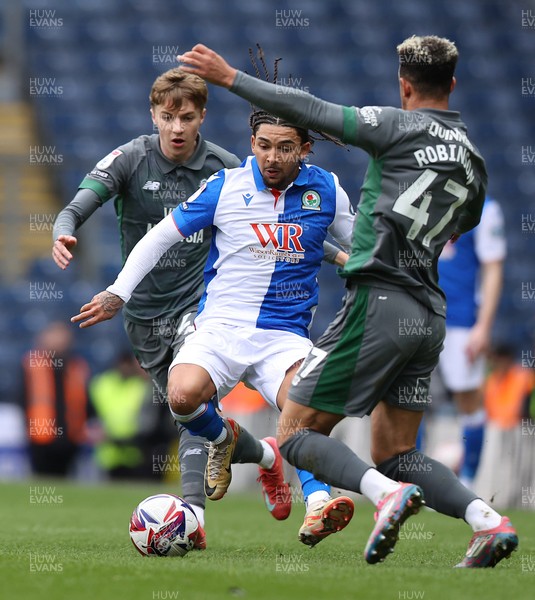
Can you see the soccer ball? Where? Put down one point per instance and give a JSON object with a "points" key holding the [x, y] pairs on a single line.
{"points": [[163, 525]]}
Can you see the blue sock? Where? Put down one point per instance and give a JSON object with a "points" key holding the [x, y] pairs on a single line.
{"points": [[473, 430], [204, 422], [310, 485]]}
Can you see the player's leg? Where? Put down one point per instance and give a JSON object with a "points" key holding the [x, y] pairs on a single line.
{"points": [[344, 376], [323, 514], [272, 358], [192, 449], [279, 355], [155, 348], [465, 379], [395, 423], [269, 357], [393, 450], [494, 537], [210, 361], [190, 392]]}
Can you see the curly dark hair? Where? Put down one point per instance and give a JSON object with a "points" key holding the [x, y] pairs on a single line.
{"points": [[259, 116]]}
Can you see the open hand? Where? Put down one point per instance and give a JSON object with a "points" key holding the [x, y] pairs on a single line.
{"points": [[102, 307], [61, 250], [209, 65]]}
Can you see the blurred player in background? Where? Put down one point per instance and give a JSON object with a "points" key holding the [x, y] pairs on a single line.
{"points": [[118, 395], [56, 401], [471, 274], [270, 218], [425, 184], [147, 178]]}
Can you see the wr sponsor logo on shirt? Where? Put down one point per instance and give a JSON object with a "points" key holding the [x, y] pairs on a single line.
{"points": [[279, 241]]}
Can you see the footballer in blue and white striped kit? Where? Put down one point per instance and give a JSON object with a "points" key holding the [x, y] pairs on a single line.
{"points": [[269, 219]]}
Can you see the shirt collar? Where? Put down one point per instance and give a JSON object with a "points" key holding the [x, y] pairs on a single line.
{"points": [[195, 162], [301, 179]]}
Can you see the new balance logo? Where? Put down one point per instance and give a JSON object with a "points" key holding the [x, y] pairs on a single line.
{"points": [[280, 236], [152, 186], [247, 198]]}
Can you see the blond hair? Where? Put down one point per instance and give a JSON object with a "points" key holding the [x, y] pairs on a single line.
{"points": [[428, 62]]}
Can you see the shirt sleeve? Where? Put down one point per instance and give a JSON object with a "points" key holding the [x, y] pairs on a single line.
{"points": [[82, 206], [489, 236], [342, 226], [470, 216], [297, 106], [110, 173], [145, 254], [330, 252], [375, 129], [199, 209]]}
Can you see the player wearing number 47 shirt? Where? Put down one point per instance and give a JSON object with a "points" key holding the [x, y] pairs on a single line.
{"points": [[269, 219], [425, 183], [147, 178]]}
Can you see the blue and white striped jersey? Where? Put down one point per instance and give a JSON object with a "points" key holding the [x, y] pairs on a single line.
{"points": [[267, 245], [459, 265]]}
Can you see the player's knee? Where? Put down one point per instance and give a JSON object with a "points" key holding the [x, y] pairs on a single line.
{"points": [[184, 397]]}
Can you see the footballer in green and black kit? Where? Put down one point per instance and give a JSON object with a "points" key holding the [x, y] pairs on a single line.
{"points": [[145, 187]]}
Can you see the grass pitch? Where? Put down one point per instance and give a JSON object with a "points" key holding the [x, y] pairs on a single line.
{"points": [[67, 541]]}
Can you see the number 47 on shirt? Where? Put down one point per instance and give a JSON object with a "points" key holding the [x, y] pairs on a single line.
{"points": [[404, 205]]}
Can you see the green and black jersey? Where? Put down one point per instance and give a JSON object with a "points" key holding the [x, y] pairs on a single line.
{"points": [[425, 181], [423, 173], [145, 187]]}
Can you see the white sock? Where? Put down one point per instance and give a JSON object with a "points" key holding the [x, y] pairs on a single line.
{"points": [[474, 419], [481, 516], [375, 486], [221, 437], [319, 496], [199, 513], [268, 458]]}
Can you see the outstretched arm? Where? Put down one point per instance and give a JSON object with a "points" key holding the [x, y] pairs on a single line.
{"points": [[141, 260], [292, 104], [83, 205]]}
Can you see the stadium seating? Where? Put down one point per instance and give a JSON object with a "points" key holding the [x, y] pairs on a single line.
{"points": [[107, 53]]}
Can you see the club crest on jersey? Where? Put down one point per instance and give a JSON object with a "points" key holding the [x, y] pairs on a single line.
{"points": [[107, 160], [311, 200], [152, 186]]}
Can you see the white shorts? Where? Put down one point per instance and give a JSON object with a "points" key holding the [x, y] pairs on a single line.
{"points": [[258, 357], [458, 373]]}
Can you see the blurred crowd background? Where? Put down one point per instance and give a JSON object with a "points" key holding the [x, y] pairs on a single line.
{"points": [[74, 83]]}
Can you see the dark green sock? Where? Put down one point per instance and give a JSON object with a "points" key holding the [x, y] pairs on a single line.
{"points": [[248, 449], [329, 460], [443, 492], [193, 454]]}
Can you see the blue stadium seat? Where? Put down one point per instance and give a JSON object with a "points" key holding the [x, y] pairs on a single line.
{"points": [[108, 52]]}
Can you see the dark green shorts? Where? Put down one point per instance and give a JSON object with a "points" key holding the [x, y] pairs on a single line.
{"points": [[155, 346], [382, 345]]}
